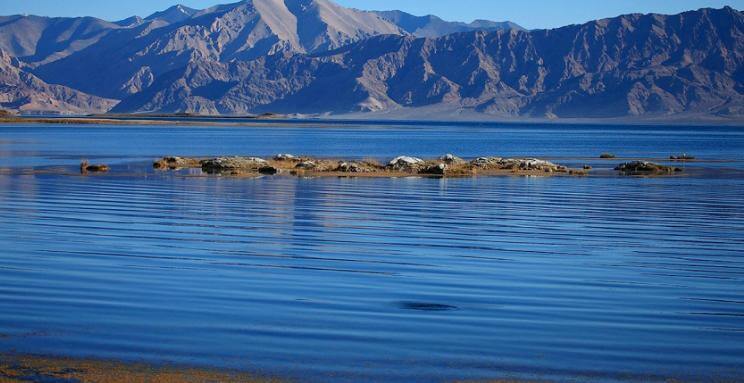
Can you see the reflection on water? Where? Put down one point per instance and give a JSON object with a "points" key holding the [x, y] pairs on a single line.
{"points": [[349, 280]]}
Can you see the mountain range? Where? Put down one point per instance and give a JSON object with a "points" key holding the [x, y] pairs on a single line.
{"points": [[317, 57], [22, 91]]}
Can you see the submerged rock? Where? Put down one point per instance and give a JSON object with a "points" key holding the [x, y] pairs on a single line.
{"points": [[86, 167], [232, 164], [268, 170], [645, 167], [607, 156]]}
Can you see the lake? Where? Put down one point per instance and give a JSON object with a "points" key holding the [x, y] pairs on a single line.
{"points": [[597, 279]]}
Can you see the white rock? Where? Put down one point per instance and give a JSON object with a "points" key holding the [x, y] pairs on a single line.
{"points": [[405, 161], [451, 159], [284, 157]]}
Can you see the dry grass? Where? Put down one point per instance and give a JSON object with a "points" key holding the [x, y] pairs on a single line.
{"points": [[175, 163], [372, 162]]}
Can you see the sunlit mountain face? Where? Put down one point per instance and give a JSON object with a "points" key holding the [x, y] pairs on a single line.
{"points": [[315, 57]]}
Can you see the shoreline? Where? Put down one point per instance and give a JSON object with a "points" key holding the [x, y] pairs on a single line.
{"points": [[228, 121]]}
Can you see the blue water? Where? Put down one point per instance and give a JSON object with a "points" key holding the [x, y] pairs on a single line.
{"points": [[592, 279]]}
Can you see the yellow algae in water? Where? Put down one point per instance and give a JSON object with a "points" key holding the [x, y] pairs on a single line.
{"points": [[14, 368]]}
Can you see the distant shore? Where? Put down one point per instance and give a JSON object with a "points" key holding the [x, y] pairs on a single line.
{"points": [[388, 118], [141, 119]]}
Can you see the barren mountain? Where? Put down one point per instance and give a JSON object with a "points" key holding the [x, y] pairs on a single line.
{"points": [[314, 56], [173, 15], [433, 26], [631, 65], [24, 92], [127, 60], [39, 40]]}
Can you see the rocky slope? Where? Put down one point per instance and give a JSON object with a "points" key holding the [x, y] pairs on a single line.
{"points": [[41, 40], [127, 60], [633, 65], [21, 91], [314, 56]]}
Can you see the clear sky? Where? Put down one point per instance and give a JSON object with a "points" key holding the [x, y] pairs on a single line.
{"points": [[528, 13]]}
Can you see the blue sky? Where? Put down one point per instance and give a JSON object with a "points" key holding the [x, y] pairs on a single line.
{"points": [[528, 13]]}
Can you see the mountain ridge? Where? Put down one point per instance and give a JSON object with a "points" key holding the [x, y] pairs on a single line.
{"points": [[662, 65], [22, 91], [316, 57], [238, 31], [434, 26]]}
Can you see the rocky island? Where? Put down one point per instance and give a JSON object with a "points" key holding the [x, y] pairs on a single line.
{"points": [[447, 165]]}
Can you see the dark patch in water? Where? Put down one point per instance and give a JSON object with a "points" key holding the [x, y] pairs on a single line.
{"points": [[426, 306]]}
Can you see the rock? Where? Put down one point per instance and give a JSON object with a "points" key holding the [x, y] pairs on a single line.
{"points": [[307, 165], [438, 169], [644, 167], [509, 163], [285, 157], [486, 162], [349, 167], [406, 163], [587, 167], [85, 167], [98, 168], [358, 167], [176, 163], [451, 159], [497, 163], [536, 164], [232, 164], [268, 170], [607, 156]]}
